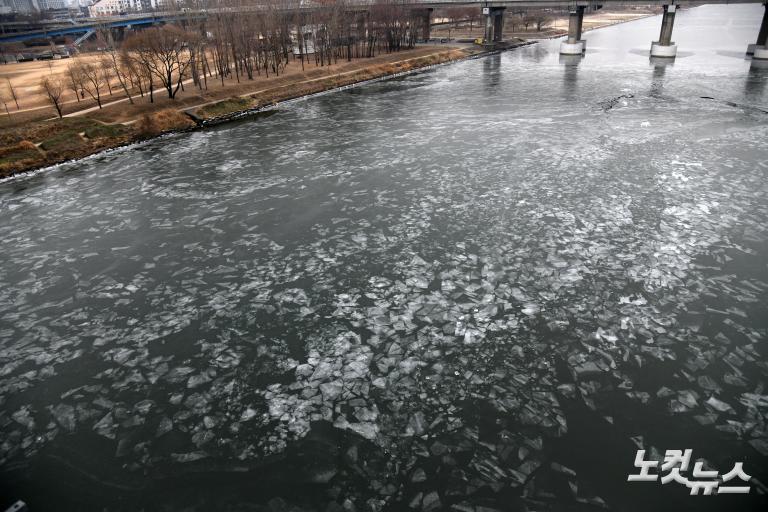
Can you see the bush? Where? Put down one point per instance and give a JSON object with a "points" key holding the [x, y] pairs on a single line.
{"points": [[18, 154], [146, 126], [106, 130], [225, 107], [24, 145], [62, 141], [163, 121]]}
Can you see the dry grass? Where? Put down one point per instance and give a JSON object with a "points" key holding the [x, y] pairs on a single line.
{"points": [[225, 107], [63, 141], [167, 120], [41, 130], [99, 131], [25, 77], [18, 156], [17, 151], [47, 142]]}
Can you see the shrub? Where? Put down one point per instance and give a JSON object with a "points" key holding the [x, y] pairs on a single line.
{"points": [[18, 155], [228, 106], [163, 121], [146, 126], [62, 141], [106, 130]]}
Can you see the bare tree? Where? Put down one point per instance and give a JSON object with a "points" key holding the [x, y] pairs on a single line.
{"points": [[74, 81], [13, 93], [541, 20], [527, 21], [105, 69], [163, 52], [54, 90], [138, 62], [91, 80], [5, 105], [114, 63], [132, 71], [472, 15]]}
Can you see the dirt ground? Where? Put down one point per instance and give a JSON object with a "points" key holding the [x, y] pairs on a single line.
{"points": [[25, 77]]}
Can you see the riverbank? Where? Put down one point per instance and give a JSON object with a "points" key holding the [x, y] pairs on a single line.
{"points": [[41, 144]]}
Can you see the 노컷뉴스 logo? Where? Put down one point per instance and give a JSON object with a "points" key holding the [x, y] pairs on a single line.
{"points": [[675, 466]]}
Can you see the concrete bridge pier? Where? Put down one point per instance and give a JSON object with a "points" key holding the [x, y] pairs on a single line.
{"points": [[426, 14], [579, 27], [664, 47], [488, 34], [494, 24], [498, 23], [119, 34], [574, 45], [759, 48]]}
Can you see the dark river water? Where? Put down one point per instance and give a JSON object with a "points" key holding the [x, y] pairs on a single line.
{"points": [[480, 287]]}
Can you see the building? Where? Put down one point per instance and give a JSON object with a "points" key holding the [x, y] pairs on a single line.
{"points": [[111, 7], [50, 5], [20, 6], [30, 6], [6, 6], [115, 7]]}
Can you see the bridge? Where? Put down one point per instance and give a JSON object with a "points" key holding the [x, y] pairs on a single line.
{"points": [[493, 12], [93, 24]]}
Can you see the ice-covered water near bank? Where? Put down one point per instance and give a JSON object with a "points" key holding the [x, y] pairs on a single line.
{"points": [[477, 288]]}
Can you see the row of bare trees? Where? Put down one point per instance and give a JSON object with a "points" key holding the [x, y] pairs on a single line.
{"points": [[529, 18], [235, 41], [515, 19]]}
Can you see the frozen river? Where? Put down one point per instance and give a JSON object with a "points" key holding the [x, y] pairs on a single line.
{"points": [[484, 285]]}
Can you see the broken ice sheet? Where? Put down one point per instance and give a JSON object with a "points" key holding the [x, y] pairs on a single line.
{"points": [[531, 309], [65, 416], [718, 405]]}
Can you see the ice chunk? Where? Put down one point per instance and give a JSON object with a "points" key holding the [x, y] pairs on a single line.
{"points": [[531, 309], [719, 405], [65, 416], [106, 426], [23, 417], [367, 430], [188, 457], [165, 426], [248, 414], [331, 390]]}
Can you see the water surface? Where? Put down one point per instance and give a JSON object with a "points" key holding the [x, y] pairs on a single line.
{"points": [[484, 285]]}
